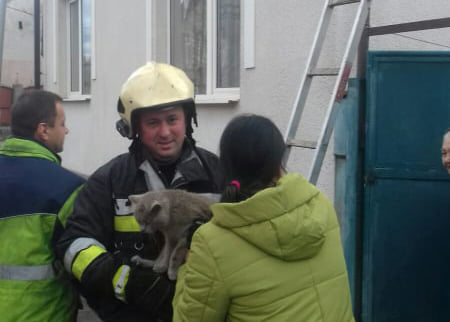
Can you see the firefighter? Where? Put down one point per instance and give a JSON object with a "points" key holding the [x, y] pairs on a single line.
{"points": [[36, 196], [156, 107]]}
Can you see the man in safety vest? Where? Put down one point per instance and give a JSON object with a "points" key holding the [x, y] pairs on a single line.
{"points": [[36, 196], [156, 106]]}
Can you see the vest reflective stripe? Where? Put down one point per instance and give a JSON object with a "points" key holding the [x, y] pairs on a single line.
{"points": [[126, 224], [74, 254], [120, 279], [123, 207], [26, 273]]}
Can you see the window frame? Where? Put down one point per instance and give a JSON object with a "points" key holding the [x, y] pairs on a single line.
{"points": [[213, 93], [78, 95]]}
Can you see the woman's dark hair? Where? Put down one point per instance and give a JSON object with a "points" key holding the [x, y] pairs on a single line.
{"points": [[33, 107], [251, 152]]}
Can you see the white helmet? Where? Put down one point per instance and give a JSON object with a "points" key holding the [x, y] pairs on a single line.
{"points": [[154, 86]]}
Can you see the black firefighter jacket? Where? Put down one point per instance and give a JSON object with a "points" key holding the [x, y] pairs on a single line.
{"points": [[101, 234]]}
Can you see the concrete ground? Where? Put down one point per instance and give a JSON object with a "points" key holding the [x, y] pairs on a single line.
{"points": [[87, 314]]}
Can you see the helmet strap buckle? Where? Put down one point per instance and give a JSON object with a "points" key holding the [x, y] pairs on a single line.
{"points": [[123, 129]]}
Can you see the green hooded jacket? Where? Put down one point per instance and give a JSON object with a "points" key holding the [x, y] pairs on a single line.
{"points": [[276, 256]]}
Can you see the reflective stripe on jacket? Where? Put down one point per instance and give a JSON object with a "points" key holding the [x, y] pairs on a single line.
{"points": [[35, 193]]}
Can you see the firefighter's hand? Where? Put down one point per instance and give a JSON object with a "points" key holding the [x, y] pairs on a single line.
{"points": [[149, 291]]}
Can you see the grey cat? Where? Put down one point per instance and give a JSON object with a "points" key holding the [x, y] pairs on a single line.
{"points": [[171, 212]]}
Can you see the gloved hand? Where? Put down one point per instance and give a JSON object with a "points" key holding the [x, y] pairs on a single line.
{"points": [[150, 291]]}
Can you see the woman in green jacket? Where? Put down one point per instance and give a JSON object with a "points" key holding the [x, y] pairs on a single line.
{"points": [[272, 251]]}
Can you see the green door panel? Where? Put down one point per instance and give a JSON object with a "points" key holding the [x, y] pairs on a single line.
{"points": [[406, 245]]}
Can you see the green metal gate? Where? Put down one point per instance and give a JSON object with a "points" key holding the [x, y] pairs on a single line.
{"points": [[406, 221]]}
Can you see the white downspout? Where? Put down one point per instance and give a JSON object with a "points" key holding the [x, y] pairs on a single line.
{"points": [[2, 32]]}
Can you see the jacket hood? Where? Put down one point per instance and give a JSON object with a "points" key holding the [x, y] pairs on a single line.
{"points": [[287, 221]]}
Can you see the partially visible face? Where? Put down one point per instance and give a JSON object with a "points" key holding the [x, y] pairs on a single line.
{"points": [[446, 152], [57, 132], [162, 132]]}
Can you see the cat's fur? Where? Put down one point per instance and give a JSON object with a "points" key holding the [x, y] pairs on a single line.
{"points": [[171, 212]]}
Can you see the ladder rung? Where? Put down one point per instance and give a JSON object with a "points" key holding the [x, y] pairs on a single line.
{"points": [[342, 2], [302, 143], [324, 72], [320, 147]]}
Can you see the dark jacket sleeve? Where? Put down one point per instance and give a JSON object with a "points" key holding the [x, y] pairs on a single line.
{"points": [[92, 220]]}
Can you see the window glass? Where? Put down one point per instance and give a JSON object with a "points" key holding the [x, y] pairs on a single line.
{"points": [[188, 40], [80, 46], [74, 48], [228, 39], [86, 46]]}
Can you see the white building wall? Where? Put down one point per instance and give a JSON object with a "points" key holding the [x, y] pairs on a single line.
{"points": [[119, 48], [18, 44], [284, 31], [400, 11]]}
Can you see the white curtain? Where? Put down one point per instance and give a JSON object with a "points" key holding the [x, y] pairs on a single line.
{"points": [[188, 41], [228, 38]]}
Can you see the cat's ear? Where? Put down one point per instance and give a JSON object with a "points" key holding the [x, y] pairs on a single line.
{"points": [[155, 207]]}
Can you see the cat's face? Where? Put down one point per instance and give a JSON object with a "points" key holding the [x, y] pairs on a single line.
{"points": [[151, 211]]}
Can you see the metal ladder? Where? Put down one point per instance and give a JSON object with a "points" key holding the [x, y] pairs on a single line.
{"points": [[342, 73]]}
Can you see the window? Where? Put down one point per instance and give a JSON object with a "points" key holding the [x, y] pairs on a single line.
{"points": [[205, 43], [79, 57]]}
